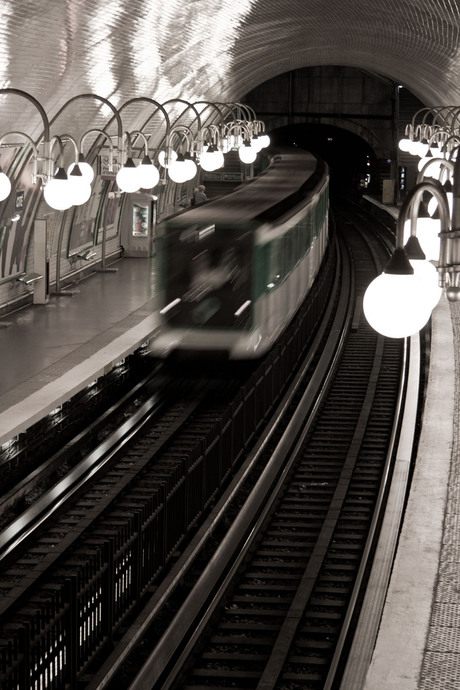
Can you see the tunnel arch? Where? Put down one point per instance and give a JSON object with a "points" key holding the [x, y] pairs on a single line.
{"points": [[355, 166]]}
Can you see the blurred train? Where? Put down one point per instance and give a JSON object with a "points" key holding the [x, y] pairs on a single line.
{"points": [[233, 271]]}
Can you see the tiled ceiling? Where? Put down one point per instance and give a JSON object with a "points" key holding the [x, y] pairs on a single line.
{"points": [[216, 51]]}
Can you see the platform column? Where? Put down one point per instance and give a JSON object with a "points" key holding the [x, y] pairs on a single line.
{"points": [[41, 262]]}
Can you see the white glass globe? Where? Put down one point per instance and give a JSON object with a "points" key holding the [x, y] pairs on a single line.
{"points": [[211, 159], [207, 159], [422, 148], [433, 169], [247, 154], [234, 141], [404, 144], [80, 189], [427, 274], [256, 143], [148, 174], [423, 161], [178, 170], [5, 186], [162, 156], [190, 167], [433, 203], [394, 305], [85, 169], [58, 191], [265, 140], [413, 148], [127, 177], [218, 159], [428, 230]]}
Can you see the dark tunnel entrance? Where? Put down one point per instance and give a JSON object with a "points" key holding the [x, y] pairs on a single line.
{"points": [[352, 161]]}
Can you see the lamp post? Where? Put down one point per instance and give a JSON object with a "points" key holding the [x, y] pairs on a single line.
{"points": [[398, 303], [150, 175]]}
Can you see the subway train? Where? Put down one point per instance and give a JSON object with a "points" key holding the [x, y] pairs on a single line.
{"points": [[233, 271]]}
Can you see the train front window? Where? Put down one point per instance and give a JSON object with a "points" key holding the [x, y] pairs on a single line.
{"points": [[208, 269]]}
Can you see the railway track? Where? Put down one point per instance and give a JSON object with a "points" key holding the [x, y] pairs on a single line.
{"points": [[128, 555], [276, 605], [78, 563]]}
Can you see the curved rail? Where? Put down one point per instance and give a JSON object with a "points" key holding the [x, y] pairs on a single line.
{"points": [[111, 667], [165, 662], [215, 575]]}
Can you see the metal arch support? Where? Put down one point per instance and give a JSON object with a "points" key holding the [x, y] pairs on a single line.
{"points": [[106, 102], [41, 110], [189, 105], [158, 106]]}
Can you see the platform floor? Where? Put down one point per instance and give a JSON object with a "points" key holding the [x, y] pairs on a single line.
{"points": [[50, 352]]}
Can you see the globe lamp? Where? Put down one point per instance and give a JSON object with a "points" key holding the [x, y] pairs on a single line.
{"points": [[148, 174], [127, 178], [58, 192]]}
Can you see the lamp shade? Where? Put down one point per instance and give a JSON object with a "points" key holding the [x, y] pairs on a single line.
{"points": [[85, 169], [394, 305], [58, 192], [5, 186]]}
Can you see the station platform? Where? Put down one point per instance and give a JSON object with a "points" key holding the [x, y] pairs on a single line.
{"points": [[49, 352]]}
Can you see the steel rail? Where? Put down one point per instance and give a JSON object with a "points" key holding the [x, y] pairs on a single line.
{"points": [[64, 491], [111, 667], [38, 474], [216, 577], [360, 654]]}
